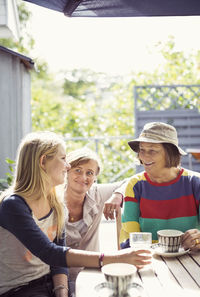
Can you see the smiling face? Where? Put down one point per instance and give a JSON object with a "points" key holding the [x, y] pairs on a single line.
{"points": [[56, 167], [81, 177], [152, 156]]}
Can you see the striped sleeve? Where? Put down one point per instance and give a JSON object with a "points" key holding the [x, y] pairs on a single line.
{"points": [[131, 209]]}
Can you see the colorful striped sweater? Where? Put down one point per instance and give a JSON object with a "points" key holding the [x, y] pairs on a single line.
{"points": [[150, 206]]}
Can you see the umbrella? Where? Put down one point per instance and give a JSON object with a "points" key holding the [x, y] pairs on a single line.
{"points": [[122, 8]]}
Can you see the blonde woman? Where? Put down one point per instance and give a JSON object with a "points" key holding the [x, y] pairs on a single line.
{"points": [[34, 258], [85, 200]]}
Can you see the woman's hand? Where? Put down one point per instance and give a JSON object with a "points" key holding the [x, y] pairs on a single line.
{"points": [[112, 205], [139, 258], [191, 240], [62, 293], [60, 282]]}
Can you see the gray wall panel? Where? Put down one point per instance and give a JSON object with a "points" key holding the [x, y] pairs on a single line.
{"points": [[15, 111]]}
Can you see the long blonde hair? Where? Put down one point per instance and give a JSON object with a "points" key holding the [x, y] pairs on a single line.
{"points": [[30, 179]]}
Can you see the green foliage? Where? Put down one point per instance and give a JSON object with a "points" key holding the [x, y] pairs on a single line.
{"points": [[95, 109], [77, 84], [7, 181], [179, 67]]}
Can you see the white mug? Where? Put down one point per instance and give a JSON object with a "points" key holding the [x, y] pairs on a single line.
{"points": [[169, 240]]}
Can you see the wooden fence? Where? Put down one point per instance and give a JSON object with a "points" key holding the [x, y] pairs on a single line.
{"points": [[174, 105]]}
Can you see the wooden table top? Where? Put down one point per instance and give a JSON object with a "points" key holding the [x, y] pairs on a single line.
{"points": [[166, 276]]}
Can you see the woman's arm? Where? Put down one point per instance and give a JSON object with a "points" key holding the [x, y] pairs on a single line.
{"points": [[112, 205], [16, 217], [92, 259], [106, 190], [60, 282], [112, 201]]}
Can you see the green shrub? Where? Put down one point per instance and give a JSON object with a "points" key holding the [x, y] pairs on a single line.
{"points": [[7, 181]]}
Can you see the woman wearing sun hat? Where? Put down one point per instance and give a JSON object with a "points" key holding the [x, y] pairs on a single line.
{"points": [[164, 195]]}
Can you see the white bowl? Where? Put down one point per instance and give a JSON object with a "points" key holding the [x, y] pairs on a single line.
{"points": [[118, 269], [119, 276]]}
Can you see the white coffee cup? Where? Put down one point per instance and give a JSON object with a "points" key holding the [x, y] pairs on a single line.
{"points": [[119, 276], [169, 240]]}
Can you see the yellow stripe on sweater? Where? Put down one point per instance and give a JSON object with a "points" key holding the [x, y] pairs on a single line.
{"points": [[128, 227]]}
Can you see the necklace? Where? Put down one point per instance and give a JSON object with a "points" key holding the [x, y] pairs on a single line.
{"points": [[71, 218], [76, 217], [75, 212]]}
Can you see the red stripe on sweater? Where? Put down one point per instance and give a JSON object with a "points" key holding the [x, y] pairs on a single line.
{"points": [[132, 199], [168, 209]]}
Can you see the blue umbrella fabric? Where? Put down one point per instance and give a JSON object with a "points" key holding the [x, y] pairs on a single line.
{"points": [[122, 8]]}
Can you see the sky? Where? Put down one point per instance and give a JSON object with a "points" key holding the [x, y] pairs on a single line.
{"points": [[110, 45]]}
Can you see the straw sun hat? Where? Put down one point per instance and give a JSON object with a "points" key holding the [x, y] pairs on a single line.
{"points": [[157, 132]]}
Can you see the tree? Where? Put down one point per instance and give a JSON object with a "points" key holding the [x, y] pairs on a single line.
{"points": [[95, 109], [95, 105]]}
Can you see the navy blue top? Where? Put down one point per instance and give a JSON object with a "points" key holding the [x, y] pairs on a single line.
{"points": [[16, 217]]}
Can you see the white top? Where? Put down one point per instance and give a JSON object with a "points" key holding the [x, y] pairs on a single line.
{"points": [[92, 214]]}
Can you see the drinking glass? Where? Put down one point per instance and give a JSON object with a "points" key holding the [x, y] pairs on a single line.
{"points": [[140, 240]]}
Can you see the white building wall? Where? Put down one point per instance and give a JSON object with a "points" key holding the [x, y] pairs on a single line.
{"points": [[2, 12], [9, 19], [15, 110], [26, 124]]}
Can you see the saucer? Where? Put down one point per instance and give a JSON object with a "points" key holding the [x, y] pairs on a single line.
{"points": [[106, 290], [158, 251]]}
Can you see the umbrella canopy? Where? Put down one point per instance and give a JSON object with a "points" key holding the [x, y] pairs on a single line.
{"points": [[122, 8]]}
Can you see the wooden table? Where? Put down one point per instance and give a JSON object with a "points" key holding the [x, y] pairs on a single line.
{"points": [[165, 277]]}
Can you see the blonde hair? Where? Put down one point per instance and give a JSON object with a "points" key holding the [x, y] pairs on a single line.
{"points": [[82, 156], [30, 179]]}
